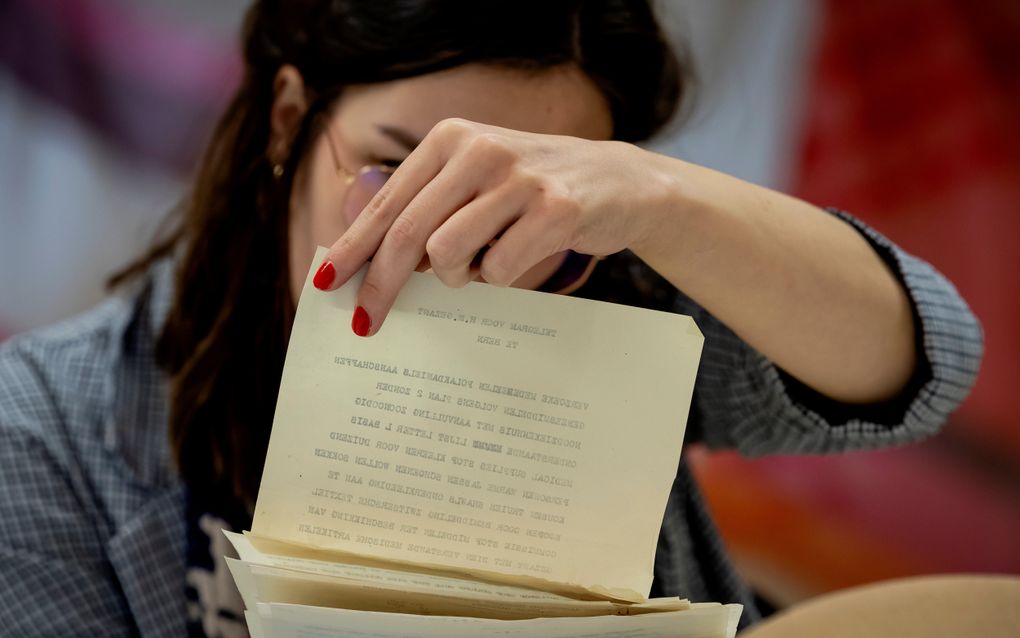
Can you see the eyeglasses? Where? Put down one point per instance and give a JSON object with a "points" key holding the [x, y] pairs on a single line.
{"points": [[362, 185]]}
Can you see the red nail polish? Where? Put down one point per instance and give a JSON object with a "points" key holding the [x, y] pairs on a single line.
{"points": [[361, 323], [324, 275]]}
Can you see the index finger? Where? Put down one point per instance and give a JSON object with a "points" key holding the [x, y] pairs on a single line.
{"points": [[359, 242], [404, 246]]}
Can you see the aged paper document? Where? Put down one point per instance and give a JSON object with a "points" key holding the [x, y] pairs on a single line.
{"points": [[518, 436], [278, 577], [705, 620]]}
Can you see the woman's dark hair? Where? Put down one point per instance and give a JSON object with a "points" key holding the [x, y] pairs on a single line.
{"points": [[226, 333]]}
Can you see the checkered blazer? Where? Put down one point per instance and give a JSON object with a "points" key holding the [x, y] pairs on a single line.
{"points": [[91, 511]]}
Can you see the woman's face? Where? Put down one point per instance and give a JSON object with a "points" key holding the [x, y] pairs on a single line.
{"points": [[380, 124]]}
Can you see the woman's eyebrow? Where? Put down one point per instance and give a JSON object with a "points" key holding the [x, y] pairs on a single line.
{"points": [[400, 136]]}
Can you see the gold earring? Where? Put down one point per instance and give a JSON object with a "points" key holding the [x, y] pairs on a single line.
{"points": [[277, 171]]}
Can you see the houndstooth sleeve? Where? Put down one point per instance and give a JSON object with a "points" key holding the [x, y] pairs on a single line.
{"points": [[743, 401]]}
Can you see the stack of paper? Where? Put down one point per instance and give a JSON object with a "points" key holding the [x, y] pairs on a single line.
{"points": [[494, 461]]}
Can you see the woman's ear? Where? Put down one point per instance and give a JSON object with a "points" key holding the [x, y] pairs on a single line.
{"points": [[289, 107]]}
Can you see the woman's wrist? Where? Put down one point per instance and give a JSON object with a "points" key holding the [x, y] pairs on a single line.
{"points": [[666, 202]]}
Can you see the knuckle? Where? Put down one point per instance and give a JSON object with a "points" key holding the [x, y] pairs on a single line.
{"points": [[344, 244], [403, 232], [451, 127], [495, 270], [527, 181], [441, 249], [488, 145], [377, 209], [559, 207], [452, 278]]}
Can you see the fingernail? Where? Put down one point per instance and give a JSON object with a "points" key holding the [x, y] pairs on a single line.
{"points": [[324, 275], [361, 323]]}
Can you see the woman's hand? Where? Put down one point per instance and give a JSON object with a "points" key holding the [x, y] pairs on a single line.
{"points": [[477, 200], [797, 284]]}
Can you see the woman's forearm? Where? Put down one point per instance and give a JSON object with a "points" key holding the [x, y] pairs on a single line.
{"points": [[800, 286]]}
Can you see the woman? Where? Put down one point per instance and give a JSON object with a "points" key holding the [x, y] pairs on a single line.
{"points": [[130, 435]]}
